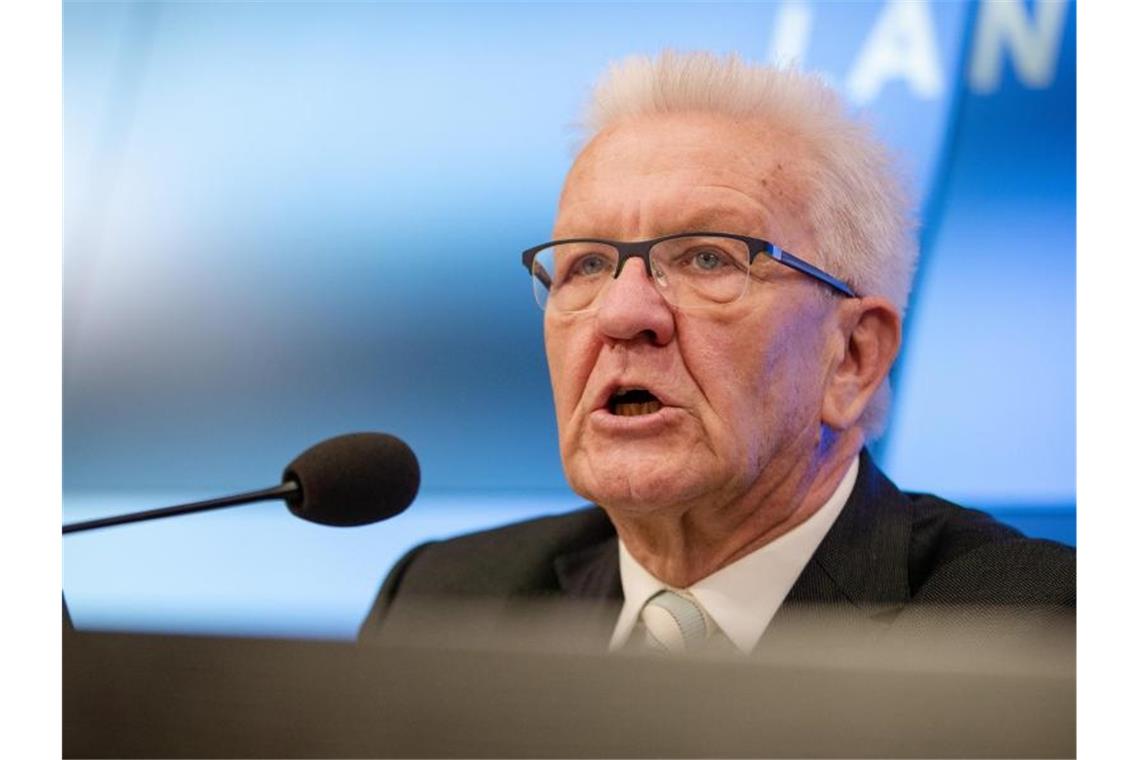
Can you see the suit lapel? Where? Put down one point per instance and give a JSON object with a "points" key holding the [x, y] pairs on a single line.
{"points": [[862, 561], [592, 572], [590, 579]]}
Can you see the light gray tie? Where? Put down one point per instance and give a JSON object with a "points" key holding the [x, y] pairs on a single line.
{"points": [[675, 623]]}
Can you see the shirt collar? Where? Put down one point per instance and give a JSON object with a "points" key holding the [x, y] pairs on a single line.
{"points": [[741, 597]]}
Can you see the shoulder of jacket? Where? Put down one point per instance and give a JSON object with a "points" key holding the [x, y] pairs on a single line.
{"points": [[963, 555], [511, 558]]}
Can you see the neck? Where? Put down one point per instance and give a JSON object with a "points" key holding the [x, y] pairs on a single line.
{"points": [[681, 546]]}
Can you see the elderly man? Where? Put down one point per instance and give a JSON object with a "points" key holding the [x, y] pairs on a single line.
{"points": [[723, 299]]}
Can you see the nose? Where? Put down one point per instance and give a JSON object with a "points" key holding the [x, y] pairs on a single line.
{"points": [[632, 306]]}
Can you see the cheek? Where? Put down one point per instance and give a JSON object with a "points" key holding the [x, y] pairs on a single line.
{"points": [[758, 375], [729, 356], [792, 369]]}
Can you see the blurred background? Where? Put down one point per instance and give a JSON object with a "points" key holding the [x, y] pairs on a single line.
{"points": [[286, 221]]}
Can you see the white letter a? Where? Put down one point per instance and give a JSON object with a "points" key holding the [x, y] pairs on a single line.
{"points": [[901, 46]]}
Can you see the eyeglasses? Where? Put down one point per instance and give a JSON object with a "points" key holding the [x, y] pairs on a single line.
{"points": [[690, 269]]}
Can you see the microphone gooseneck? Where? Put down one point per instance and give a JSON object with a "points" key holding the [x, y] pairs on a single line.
{"points": [[352, 479], [276, 492]]}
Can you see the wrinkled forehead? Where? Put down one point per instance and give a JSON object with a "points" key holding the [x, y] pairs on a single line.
{"points": [[661, 210], [660, 174]]}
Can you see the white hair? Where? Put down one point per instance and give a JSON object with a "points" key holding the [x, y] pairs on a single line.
{"points": [[859, 211]]}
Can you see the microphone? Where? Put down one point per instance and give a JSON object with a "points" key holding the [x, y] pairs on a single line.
{"points": [[352, 479]]}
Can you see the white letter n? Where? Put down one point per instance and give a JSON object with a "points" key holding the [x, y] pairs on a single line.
{"points": [[1032, 48]]}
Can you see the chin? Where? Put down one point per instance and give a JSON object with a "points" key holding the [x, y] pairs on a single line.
{"points": [[639, 490]]}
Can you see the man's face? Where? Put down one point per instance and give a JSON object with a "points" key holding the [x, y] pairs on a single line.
{"points": [[740, 386]]}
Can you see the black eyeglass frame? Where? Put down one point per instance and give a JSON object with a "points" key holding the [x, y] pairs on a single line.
{"points": [[639, 249]]}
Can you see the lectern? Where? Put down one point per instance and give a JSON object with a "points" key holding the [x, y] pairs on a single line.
{"points": [[133, 695]]}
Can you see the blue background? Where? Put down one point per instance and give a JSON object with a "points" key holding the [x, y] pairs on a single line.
{"points": [[286, 221]]}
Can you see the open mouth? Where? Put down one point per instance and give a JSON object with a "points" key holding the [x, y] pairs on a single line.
{"points": [[633, 402]]}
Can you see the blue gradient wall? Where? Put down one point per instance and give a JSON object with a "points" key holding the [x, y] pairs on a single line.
{"points": [[987, 410], [286, 221]]}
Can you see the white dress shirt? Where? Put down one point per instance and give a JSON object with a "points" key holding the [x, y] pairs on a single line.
{"points": [[741, 598]]}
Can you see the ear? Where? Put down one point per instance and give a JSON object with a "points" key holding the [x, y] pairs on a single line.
{"points": [[870, 331]]}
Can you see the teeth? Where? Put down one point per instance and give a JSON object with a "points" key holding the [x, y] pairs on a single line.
{"points": [[635, 409], [631, 402]]}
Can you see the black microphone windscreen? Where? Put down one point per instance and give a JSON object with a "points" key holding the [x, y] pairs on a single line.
{"points": [[353, 479]]}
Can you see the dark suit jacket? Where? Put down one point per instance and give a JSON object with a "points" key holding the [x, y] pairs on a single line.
{"points": [[887, 553]]}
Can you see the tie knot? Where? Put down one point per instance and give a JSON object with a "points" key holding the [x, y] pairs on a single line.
{"points": [[675, 623]]}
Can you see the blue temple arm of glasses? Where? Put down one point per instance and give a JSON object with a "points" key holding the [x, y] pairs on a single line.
{"points": [[799, 264]]}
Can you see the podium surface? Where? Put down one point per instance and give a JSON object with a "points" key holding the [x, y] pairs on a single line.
{"points": [[133, 695]]}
